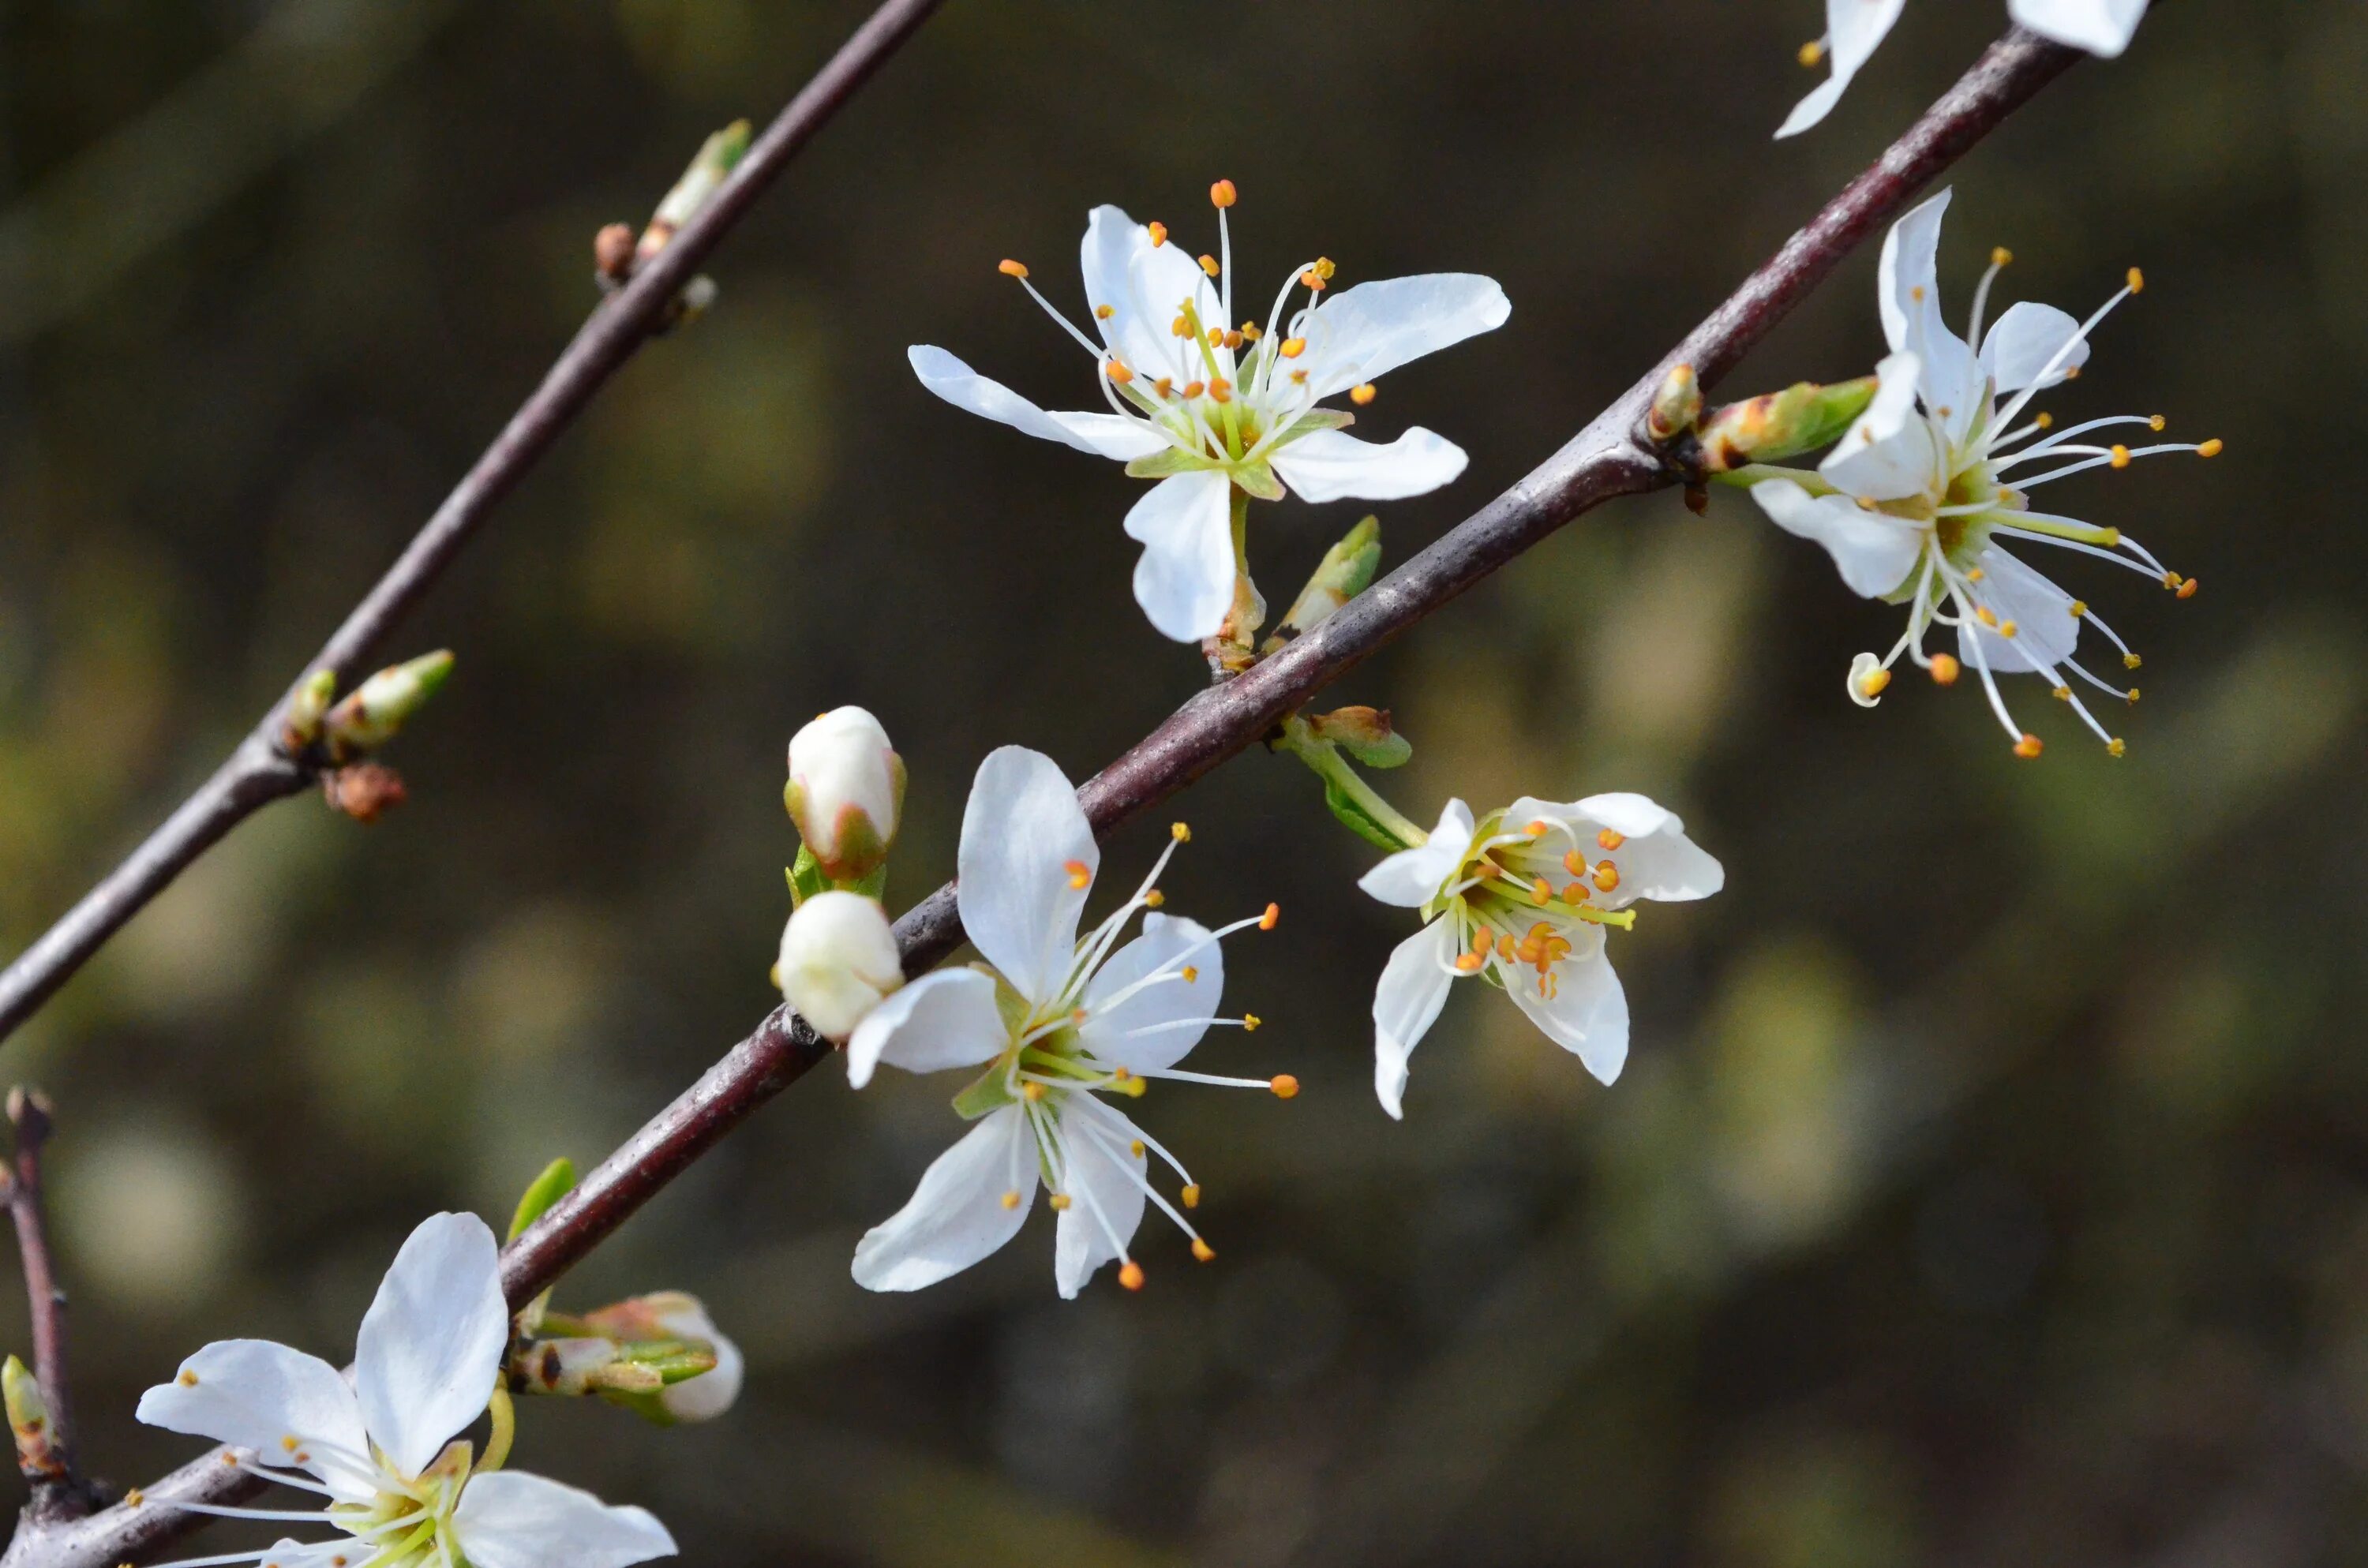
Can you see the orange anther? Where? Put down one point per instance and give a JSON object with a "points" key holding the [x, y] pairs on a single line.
{"points": [[1080, 874], [1607, 876], [1292, 347], [1575, 863], [1469, 963], [1158, 234], [1223, 194], [1191, 1196], [1220, 389], [1010, 268], [1119, 372], [1945, 669], [2187, 589], [1130, 1275], [1284, 1086], [1273, 913], [1011, 1199], [2027, 747], [1209, 264], [1203, 1251], [1540, 892], [1363, 394], [2212, 448], [1575, 893], [1104, 312], [1193, 388], [1610, 840]]}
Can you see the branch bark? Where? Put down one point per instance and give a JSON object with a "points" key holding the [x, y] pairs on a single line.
{"points": [[45, 1449], [260, 771], [1612, 457]]}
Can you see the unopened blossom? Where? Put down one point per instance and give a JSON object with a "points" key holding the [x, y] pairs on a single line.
{"points": [[677, 1315], [1853, 29], [846, 791], [1521, 897], [838, 959], [1058, 1022], [1916, 503], [1218, 406], [398, 1489]]}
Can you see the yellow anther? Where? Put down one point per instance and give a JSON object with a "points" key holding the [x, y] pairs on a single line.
{"points": [[1469, 963], [1164, 385], [1299, 378], [1540, 892], [1273, 913], [2027, 747], [1191, 973], [1292, 347], [1158, 234], [1130, 1275], [1033, 1091], [1011, 268], [289, 1444], [1917, 293], [1080, 874], [1607, 877], [187, 1379], [1610, 840], [2071, 373], [2063, 694], [2121, 455], [2045, 421], [1363, 394], [1574, 892], [1119, 372], [2009, 629], [1538, 828], [2116, 747], [1134, 1088], [1250, 331], [1181, 832], [1209, 264], [2137, 282], [1011, 1199], [1121, 1075], [2134, 694], [1945, 669], [1153, 899], [1233, 339], [1284, 1086], [1984, 614], [1135, 1148], [2157, 423], [1216, 337], [1874, 682], [1223, 194], [2078, 608], [2002, 256], [1180, 327], [1220, 389], [1811, 53], [133, 1498], [1104, 312], [1251, 1022], [1191, 1196], [1060, 1201], [1203, 1251], [1975, 575], [1194, 389], [1323, 268], [1575, 863], [2212, 448], [2170, 580], [2130, 660]]}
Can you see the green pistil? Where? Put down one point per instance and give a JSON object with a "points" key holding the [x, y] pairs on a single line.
{"points": [[1526, 898]]}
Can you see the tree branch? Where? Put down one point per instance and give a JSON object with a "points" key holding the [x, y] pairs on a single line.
{"points": [[260, 771], [44, 1445], [1610, 458]]}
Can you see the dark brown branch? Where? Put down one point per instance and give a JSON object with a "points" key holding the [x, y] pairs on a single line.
{"points": [[1610, 458], [259, 772], [45, 1449]]}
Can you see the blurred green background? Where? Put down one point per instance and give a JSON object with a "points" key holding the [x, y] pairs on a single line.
{"points": [[1989, 1181]]}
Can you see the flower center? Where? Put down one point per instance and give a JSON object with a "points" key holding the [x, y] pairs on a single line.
{"points": [[1521, 895]]}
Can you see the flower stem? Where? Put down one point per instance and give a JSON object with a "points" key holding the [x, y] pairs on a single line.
{"points": [[1357, 805], [1750, 474]]}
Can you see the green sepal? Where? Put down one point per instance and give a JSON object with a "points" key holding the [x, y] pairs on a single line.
{"points": [[1365, 734], [986, 1094], [558, 1180], [806, 878], [1801, 419], [1167, 463], [1359, 820], [1345, 570], [1311, 421]]}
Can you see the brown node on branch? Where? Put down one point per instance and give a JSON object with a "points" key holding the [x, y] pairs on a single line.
{"points": [[365, 791], [612, 253]]}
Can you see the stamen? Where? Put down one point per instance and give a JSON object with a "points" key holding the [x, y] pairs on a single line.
{"points": [[1607, 876], [1221, 193], [1060, 1201], [2120, 456], [1011, 1199], [1284, 1086], [1079, 875], [2137, 282], [1158, 234], [1362, 395], [2027, 747], [1130, 1274], [1266, 921], [1191, 1195], [2116, 747], [1153, 899], [1010, 268], [1610, 840], [1203, 1251], [1810, 54], [1945, 669], [2212, 448], [1292, 347]]}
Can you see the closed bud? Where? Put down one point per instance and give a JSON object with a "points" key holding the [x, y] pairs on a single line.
{"points": [[717, 157], [1365, 734], [1345, 570], [364, 791], [1676, 403], [307, 708], [838, 959], [378, 708], [846, 792], [680, 1317], [1782, 424]]}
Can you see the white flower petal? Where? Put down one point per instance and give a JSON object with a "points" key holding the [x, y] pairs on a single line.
{"points": [[1109, 436], [1184, 580], [432, 1342], [1331, 465], [2044, 626], [1412, 878], [251, 1393], [1587, 1013], [1363, 333], [1412, 990], [710, 1394], [956, 1216], [1874, 552], [1136, 330], [1023, 833], [337, 1552], [1106, 1202], [511, 1519], [1853, 29], [1909, 297], [2101, 27], [1657, 861], [1890, 452], [2026, 340], [1160, 1023], [941, 1021]]}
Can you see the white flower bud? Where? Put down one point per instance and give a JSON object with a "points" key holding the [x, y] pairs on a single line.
{"points": [[710, 1394], [846, 790], [838, 959]]}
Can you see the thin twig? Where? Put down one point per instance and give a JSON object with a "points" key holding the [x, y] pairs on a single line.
{"points": [[1610, 458], [259, 771], [44, 1454]]}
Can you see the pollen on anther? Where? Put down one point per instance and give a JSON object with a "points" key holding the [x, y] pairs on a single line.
{"points": [[188, 1379], [2187, 589], [1975, 575], [1060, 1203], [1250, 332], [1011, 1199], [1811, 53], [2132, 693], [1119, 372], [1135, 1148], [1284, 1086], [1033, 1091], [1299, 378], [1607, 877], [1362, 395], [1203, 1251], [1469, 963], [1233, 339], [1945, 669], [1610, 839], [2116, 747], [2027, 747], [2000, 256], [2078, 609], [1541, 890], [1153, 899], [2157, 422], [1010, 268], [1987, 617], [1121, 1075], [1575, 863], [1193, 388], [2212, 448], [1273, 913], [2009, 629], [1158, 234], [2130, 660], [289, 1444], [1220, 388], [2170, 580], [1180, 327], [2045, 421], [1130, 1275], [1917, 293], [1223, 194], [1080, 874], [2137, 282], [1575, 892], [2063, 694], [1191, 973], [1292, 347], [1191, 1196], [2120, 456], [1104, 312]]}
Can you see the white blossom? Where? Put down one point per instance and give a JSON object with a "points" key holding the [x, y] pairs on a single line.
{"points": [[1058, 1021], [846, 790], [399, 1489], [1915, 503], [1521, 897], [1853, 29], [1217, 407]]}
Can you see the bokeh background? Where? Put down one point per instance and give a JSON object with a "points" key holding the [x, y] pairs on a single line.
{"points": [[1989, 1181]]}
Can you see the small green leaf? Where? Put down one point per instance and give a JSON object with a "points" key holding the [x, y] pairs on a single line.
{"points": [[558, 1179], [1257, 480], [1359, 820]]}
